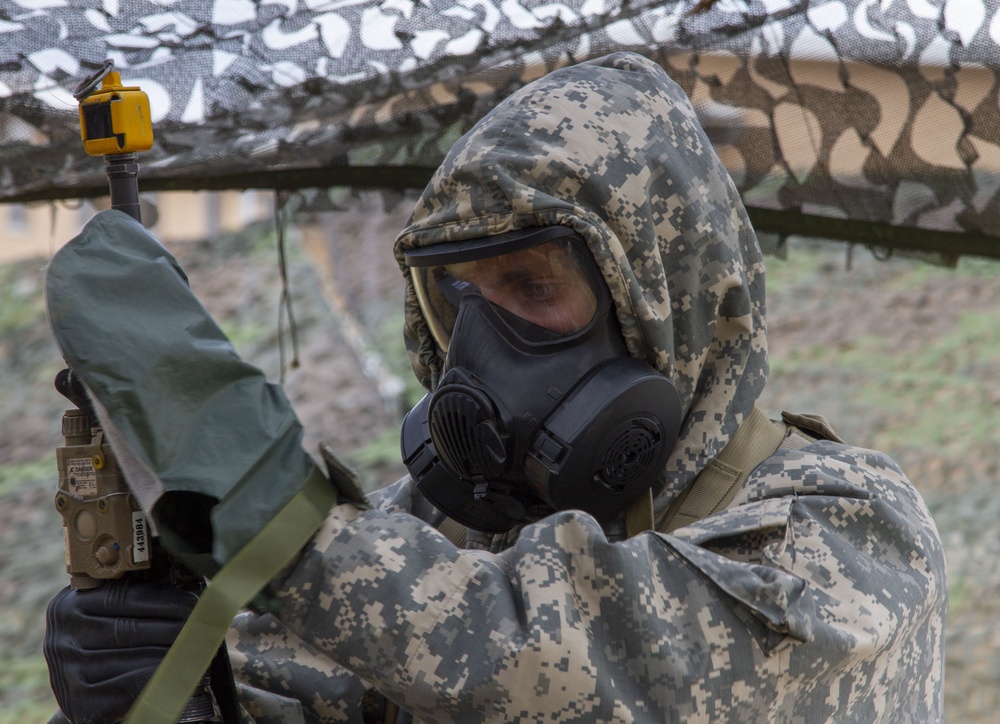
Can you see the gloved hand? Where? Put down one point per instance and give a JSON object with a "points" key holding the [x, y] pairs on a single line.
{"points": [[102, 645]]}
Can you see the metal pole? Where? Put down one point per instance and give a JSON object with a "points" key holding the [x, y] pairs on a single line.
{"points": [[123, 174]]}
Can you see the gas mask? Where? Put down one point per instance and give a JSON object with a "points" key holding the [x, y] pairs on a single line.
{"points": [[539, 407]]}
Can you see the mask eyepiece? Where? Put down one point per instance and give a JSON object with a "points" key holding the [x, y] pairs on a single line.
{"points": [[542, 281]]}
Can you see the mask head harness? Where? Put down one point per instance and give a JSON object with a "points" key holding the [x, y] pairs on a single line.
{"points": [[539, 407]]}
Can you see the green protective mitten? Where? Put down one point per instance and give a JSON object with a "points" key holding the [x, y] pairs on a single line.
{"points": [[212, 451]]}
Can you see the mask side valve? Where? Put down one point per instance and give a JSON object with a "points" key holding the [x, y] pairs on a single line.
{"points": [[468, 431], [472, 500]]}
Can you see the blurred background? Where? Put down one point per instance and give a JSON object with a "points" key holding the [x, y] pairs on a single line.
{"points": [[899, 354]]}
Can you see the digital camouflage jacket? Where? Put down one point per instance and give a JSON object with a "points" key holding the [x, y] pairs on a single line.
{"points": [[818, 594]]}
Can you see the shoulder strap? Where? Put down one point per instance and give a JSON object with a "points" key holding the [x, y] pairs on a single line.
{"points": [[808, 428], [755, 440], [639, 515], [453, 531]]}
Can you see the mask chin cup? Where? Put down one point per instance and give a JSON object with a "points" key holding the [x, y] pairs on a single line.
{"points": [[608, 442]]}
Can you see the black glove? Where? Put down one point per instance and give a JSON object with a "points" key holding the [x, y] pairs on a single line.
{"points": [[102, 645]]}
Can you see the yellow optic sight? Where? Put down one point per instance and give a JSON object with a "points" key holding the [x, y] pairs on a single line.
{"points": [[114, 119]]}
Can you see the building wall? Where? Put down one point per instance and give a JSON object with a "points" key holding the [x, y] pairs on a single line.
{"points": [[40, 229]]}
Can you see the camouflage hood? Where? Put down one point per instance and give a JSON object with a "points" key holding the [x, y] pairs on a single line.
{"points": [[613, 149]]}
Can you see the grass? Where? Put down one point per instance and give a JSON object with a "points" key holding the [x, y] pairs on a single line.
{"points": [[944, 377], [21, 302], [24, 690], [388, 340], [14, 478], [380, 453], [933, 392]]}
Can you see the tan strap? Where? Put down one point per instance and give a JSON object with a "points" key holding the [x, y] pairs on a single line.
{"points": [[715, 487], [453, 531], [815, 426], [391, 713], [639, 515]]}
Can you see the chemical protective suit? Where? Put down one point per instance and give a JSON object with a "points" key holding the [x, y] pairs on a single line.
{"points": [[818, 593]]}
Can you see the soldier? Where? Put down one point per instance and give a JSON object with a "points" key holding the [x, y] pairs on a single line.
{"points": [[636, 541]]}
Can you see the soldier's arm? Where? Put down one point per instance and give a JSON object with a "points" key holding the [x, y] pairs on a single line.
{"points": [[828, 575]]}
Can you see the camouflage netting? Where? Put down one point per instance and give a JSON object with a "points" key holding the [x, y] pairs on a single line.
{"points": [[874, 122]]}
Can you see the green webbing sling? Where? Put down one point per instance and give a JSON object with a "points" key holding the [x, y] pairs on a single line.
{"points": [[242, 578]]}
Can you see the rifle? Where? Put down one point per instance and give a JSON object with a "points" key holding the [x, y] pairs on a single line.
{"points": [[106, 532]]}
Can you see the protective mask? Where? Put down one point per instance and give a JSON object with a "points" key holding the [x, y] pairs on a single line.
{"points": [[539, 406]]}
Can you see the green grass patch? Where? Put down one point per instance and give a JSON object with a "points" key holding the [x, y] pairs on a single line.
{"points": [[934, 396], [388, 340], [25, 695], [920, 274], [382, 451], [800, 265], [14, 478], [21, 301], [246, 335]]}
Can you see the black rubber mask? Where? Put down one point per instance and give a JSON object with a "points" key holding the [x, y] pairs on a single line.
{"points": [[529, 418]]}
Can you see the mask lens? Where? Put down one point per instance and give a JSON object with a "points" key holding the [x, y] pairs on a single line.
{"points": [[546, 291]]}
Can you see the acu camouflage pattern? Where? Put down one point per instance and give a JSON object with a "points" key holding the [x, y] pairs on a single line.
{"points": [[819, 594]]}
